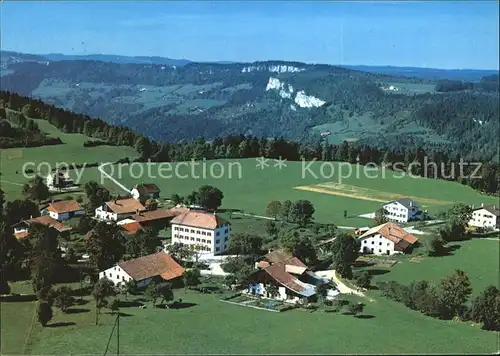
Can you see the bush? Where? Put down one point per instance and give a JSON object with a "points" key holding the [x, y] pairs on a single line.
{"points": [[44, 312]]}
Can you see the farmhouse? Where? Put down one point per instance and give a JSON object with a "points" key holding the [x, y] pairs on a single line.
{"points": [[159, 218], [485, 216], [386, 239], [205, 232], [143, 269], [289, 276], [145, 191], [58, 180], [63, 210], [21, 229], [403, 210], [118, 209]]}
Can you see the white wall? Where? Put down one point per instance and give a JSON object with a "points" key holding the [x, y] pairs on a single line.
{"points": [[396, 212], [378, 243], [216, 241], [483, 218], [105, 215], [116, 275]]}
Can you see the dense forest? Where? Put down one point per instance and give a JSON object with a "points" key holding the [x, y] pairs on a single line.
{"points": [[174, 104], [241, 146]]}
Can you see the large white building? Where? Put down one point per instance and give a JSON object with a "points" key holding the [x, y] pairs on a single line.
{"points": [[485, 216], [118, 209], [386, 239], [143, 269], [205, 232], [403, 210]]}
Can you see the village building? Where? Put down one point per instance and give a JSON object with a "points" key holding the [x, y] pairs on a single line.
{"points": [[115, 210], [21, 229], [158, 218], [145, 191], [292, 279], [403, 210], [63, 210], [204, 232], [386, 239], [59, 180], [142, 270], [485, 216]]}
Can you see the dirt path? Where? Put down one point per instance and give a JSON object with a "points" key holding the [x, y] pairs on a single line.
{"points": [[343, 289], [254, 216], [121, 186], [347, 195]]}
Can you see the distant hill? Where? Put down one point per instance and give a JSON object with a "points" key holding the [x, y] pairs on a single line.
{"points": [[293, 100]]}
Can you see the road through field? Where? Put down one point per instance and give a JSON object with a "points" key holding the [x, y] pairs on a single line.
{"points": [[121, 186]]}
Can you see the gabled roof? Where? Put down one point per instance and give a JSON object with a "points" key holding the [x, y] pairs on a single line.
{"points": [[492, 209], [392, 232], [148, 188], [406, 202], [123, 206], [199, 219], [156, 264], [132, 227], [44, 220], [158, 214], [279, 273], [277, 256], [64, 206]]}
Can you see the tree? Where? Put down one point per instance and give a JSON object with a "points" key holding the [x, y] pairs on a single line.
{"points": [[18, 210], [380, 217], [44, 312], [272, 290], [286, 206], [486, 309], [4, 285], [454, 292], [234, 264], [103, 289], [114, 306], [36, 189], [180, 252], [210, 197], [192, 277], [151, 204], [273, 208], [28, 111], [96, 195], [356, 308], [301, 212], [176, 199], [300, 246], [364, 279], [271, 228], [436, 246], [457, 219], [322, 292], [345, 250], [105, 245], [243, 243], [142, 243], [63, 299], [165, 291]]}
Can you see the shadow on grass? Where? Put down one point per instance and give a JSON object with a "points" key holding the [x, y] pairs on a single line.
{"points": [[60, 324], [120, 313], [130, 303], [77, 310], [229, 210], [363, 264], [377, 272], [447, 251], [177, 305], [18, 298], [81, 301], [364, 316]]}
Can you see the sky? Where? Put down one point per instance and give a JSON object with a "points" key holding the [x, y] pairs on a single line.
{"points": [[442, 34]]}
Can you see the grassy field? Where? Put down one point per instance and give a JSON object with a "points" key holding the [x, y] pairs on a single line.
{"points": [[72, 151], [250, 188], [241, 330]]}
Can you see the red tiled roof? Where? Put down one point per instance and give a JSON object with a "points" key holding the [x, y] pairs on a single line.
{"points": [[280, 275], [131, 227], [21, 235], [156, 264], [158, 214], [48, 221], [64, 206], [199, 219], [123, 206], [392, 232]]}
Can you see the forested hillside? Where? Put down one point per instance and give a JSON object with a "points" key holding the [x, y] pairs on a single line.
{"points": [[292, 100]]}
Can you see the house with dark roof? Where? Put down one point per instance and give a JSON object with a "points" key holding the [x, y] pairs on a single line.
{"points": [[292, 279], [21, 229], [142, 270], [63, 210], [485, 217], [203, 231], [118, 209], [386, 239], [145, 191], [403, 210]]}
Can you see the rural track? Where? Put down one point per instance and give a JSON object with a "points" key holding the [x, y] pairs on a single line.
{"points": [[107, 175]]}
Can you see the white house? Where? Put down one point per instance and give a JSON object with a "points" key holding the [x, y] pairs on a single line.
{"points": [[143, 269], [386, 239], [118, 209], [21, 229], [58, 179], [403, 210], [63, 210], [205, 232], [485, 216], [145, 191]]}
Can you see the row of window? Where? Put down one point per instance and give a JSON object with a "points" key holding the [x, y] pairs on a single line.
{"points": [[482, 215], [187, 238], [193, 231], [373, 242]]}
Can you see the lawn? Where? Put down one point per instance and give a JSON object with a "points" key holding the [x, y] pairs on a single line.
{"points": [[241, 330], [72, 151], [250, 188]]}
